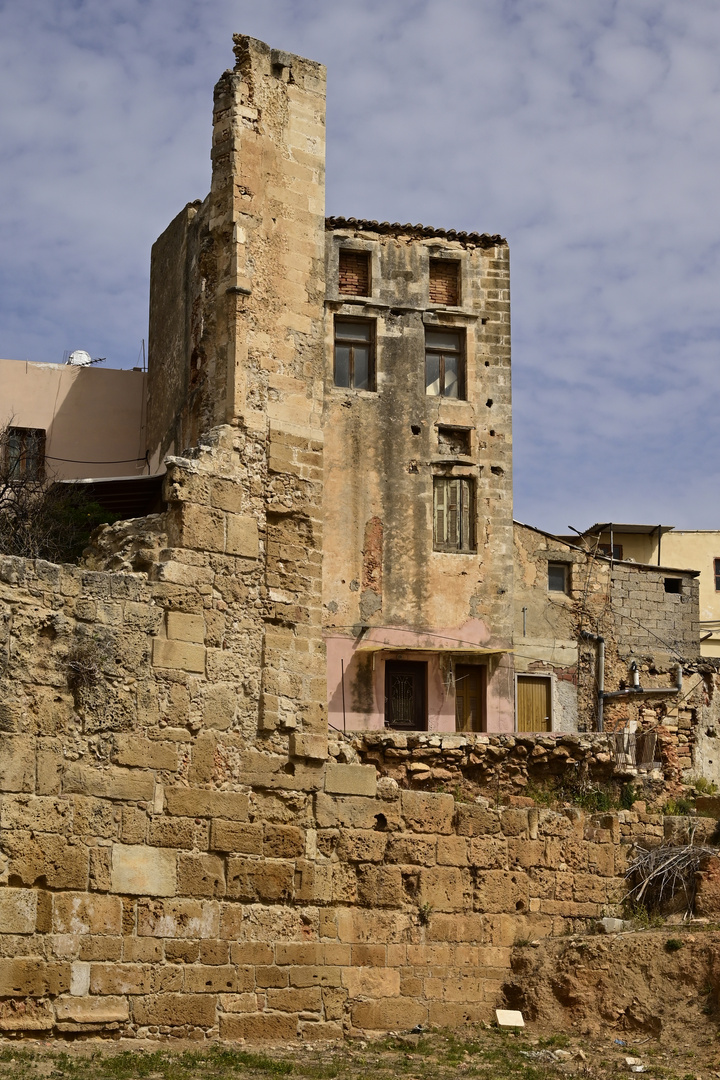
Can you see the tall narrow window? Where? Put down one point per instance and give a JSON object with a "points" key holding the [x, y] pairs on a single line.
{"points": [[444, 364], [717, 574], [354, 273], [355, 353], [25, 453], [405, 683], [454, 513], [444, 282]]}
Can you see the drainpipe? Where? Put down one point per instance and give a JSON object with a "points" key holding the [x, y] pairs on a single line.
{"points": [[600, 673], [637, 689]]}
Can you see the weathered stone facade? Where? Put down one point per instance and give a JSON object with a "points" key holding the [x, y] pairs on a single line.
{"points": [[182, 851]]}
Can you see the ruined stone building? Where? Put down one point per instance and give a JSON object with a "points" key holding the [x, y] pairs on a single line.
{"points": [[183, 849]]}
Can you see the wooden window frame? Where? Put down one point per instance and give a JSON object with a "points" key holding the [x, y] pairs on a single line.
{"points": [[338, 339], [17, 470], [566, 585], [431, 350], [550, 677], [458, 535]]}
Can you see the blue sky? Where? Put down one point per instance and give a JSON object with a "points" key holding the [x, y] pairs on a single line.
{"points": [[586, 133]]}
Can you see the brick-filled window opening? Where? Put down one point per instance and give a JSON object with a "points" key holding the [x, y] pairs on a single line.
{"points": [[444, 363], [25, 453], [445, 282], [716, 567], [354, 364], [354, 273], [557, 577], [454, 513]]}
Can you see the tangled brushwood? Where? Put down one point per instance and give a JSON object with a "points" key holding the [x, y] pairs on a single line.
{"points": [[659, 874], [40, 519]]}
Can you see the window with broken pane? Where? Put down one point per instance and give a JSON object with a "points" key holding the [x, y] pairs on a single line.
{"points": [[454, 513], [354, 364], [444, 363]]}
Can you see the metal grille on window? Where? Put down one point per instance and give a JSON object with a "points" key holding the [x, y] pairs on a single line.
{"points": [[454, 513], [25, 453]]}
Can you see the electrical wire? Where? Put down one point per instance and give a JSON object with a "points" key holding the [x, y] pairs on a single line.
{"points": [[82, 461]]}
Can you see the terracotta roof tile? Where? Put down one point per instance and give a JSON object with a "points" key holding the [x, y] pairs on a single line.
{"points": [[384, 227]]}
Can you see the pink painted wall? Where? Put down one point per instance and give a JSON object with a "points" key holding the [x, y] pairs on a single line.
{"points": [[364, 677]]}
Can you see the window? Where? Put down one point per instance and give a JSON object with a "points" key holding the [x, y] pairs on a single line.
{"points": [[617, 550], [25, 453], [355, 353], [673, 584], [444, 364], [405, 682], [716, 567], [454, 513], [557, 577], [444, 280]]}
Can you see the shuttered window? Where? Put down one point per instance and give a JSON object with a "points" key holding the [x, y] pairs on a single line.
{"points": [[454, 513]]}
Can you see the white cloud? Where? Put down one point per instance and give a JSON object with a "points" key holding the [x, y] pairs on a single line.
{"points": [[586, 133]]}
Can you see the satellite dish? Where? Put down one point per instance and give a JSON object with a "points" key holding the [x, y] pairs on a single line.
{"points": [[80, 358]]}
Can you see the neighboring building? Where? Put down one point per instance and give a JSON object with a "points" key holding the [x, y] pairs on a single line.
{"points": [[697, 549], [74, 422], [417, 500]]}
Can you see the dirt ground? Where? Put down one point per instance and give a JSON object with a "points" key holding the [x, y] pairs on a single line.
{"points": [[434, 1055]]}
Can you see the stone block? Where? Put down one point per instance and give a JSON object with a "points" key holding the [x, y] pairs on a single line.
{"points": [[18, 911], [351, 780], [180, 655], [200, 875], [202, 528], [258, 1027], [216, 979], [428, 813], [242, 536], [57, 861], [31, 1016], [362, 845], [138, 870], [227, 495], [442, 888], [315, 976], [380, 886], [371, 982], [33, 978], [108, 783], [291, 999], [79, 978], [195, 802], [355, 812], [385, 1015], [283, 842], [17, 763], [92, 1010], [183, 627], [314, 747], [138, 752], [175, 1010], [241, 838], [268, 881], [86, 913]]}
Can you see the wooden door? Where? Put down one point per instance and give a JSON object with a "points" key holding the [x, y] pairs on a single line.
{"points": [[405, 707], [470, 682], [534, 703]]}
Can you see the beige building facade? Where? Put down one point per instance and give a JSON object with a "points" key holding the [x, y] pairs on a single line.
{"points": [[85, 421]]}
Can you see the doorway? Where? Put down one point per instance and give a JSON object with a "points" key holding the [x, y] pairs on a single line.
{"points": [[534, 703], [405, 695], [470, 695]]}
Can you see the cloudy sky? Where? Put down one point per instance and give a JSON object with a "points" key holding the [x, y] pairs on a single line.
{"points": [[585, 131]]}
